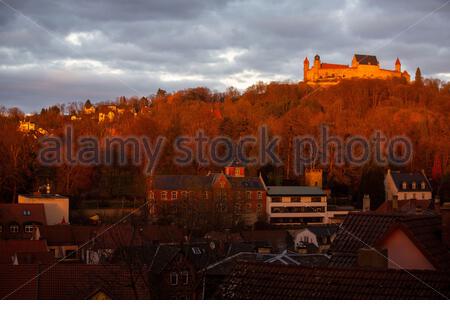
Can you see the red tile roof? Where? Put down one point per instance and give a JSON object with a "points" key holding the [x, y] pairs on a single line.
{"points": [[68, 281], [360, 230], [15, 212], [273, 281]]}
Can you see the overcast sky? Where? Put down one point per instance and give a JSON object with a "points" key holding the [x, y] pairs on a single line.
{"points": [[64, 50]]}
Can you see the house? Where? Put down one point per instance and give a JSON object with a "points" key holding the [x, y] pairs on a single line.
{"points": [[17, 221], [223, 199], [406, 186], [319, 236], [56, 206], [263, 281], [216, 273], [289, 205], [393, 241]]}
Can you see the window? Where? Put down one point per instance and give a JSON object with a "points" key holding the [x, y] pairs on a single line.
{"points": [[276, 199], [151, 195], [196, 250], [423, 185], [260, 195], [316, 199], [259, 206], [249, 195], [28, 228], [414, 185], [404, 185], [296, 199], [206, 194], [173, 278], [70, 254], [27, 213], [185, 277], [14, 228], [174, 195], [164, 195]]}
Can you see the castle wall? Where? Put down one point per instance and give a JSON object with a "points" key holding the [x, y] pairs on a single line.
{"points": [[330, 76]]}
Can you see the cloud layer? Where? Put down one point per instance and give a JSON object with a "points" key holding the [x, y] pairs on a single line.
{"points": [[62, 51]]}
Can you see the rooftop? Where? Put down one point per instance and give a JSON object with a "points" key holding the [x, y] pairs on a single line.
{"points": [[276, 281], [294, 191]]}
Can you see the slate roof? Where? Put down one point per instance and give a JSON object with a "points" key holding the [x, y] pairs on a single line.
{"points": [[182, 182], [360, 230], [294, 191], [247, 183], [409, 178], [366, 59], [274, 281], [194, 182], [323, 230]]}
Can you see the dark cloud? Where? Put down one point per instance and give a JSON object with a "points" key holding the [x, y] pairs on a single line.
{"points": [[62, 51]]}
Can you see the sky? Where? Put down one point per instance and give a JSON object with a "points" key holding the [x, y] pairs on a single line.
{"points": [[60, 51]]}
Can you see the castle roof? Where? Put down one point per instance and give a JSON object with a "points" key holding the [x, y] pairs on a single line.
{"points": [[366, 59], [397, 61]]}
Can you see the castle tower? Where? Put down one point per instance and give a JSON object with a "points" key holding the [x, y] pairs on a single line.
{"points": [[314, 177], [305, 69], [398, 65], [316, 66]]}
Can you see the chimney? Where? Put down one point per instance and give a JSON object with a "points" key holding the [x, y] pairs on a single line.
{"points": [[372, 258], [366, 203], [395, 202], [437, 204]]}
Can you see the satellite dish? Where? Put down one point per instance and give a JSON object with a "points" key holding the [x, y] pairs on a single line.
{"points": [[212, 245]]}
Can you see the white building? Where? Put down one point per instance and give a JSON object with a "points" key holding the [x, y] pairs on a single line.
{"points": [[56, 206], [407, 186], [296, 205]]}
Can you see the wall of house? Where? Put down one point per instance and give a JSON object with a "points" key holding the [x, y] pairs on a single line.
{"points": [[403, 253]]}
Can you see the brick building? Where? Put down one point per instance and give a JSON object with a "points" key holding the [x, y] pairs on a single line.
{"points": [[222, 199]]}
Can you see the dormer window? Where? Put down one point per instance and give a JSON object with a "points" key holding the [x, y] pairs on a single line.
{"points": [[26, 213], [423, 185], [164, 195], [414, 185], [404, 185], [28, 228]]}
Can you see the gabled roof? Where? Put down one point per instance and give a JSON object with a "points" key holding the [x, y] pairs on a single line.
{"points": [[366, 59], [248, 183], [275, 281], [323, 230], [294, 191], [363, 230], [68, 281], [409, 178], [409, 206], [22, 213], [182, 182]]}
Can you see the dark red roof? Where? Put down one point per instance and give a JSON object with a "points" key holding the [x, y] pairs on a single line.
{"points": [[363, 230], [274, 281], [27, 251], [68, 281], [410, 206], [22, 213]]}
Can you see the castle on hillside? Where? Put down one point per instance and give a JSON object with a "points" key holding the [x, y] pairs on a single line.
{"points": [[363, 66]]}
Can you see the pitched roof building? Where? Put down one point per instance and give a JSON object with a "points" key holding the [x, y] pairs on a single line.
{"points": [[275, 281]]}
